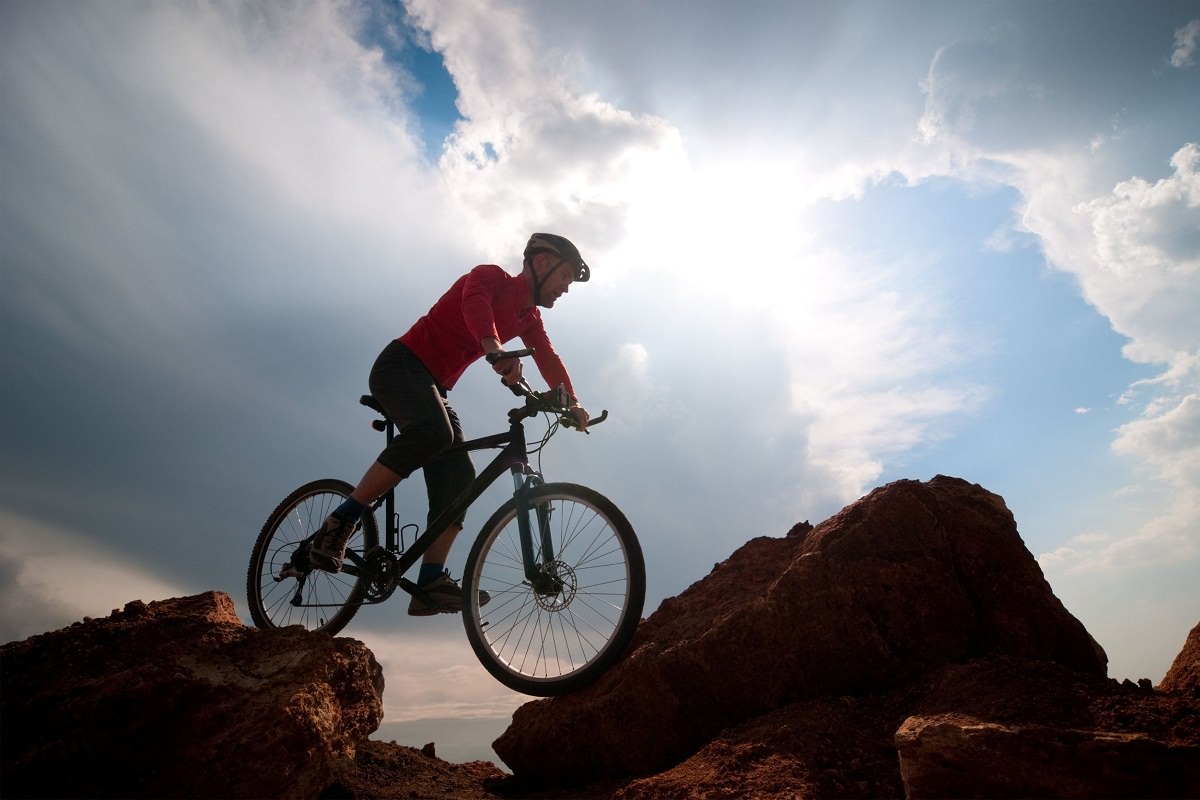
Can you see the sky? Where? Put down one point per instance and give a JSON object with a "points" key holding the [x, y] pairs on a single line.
{"points": [[833, 245]]}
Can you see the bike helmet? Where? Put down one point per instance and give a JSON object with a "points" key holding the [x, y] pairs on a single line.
{"points": [[560, 246]]}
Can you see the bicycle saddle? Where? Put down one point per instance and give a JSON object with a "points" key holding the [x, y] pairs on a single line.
{"points": [[371, 403]]}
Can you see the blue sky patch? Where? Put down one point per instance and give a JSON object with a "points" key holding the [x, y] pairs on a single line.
{"points": [[429, 89]]}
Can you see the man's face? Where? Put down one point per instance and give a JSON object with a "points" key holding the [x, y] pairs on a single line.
{"points": [[557, 277]]}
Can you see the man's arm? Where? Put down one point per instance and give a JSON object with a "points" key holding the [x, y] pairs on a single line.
{"points": [[507, 368], [554, 371]]}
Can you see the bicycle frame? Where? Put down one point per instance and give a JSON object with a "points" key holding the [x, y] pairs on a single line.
{"points": [[512, 458]]}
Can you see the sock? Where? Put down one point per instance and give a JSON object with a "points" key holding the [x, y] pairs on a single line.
{"points": [[430, 572], [351, 509]]}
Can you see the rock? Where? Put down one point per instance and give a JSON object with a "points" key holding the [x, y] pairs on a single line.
{"points": [[910, 578], [953, 755], [388, 771], [828, 747], [911, 632], [178, 698], [1184, 674], [846, 746]]}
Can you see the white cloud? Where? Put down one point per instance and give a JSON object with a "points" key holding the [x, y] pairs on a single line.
{"points": [[52, 577], [860, 356], [1145, 270], [533, 149], [220, 167], [1167, 438], [1145, 276], [434, 674], [1183, 56], [962, 77], [1133, 244], [1136, 254]]}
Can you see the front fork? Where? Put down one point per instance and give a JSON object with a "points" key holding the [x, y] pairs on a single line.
{"points": [[539, 560]]}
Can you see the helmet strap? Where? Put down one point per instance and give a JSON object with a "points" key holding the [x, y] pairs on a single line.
{"points": [[538, 282]]}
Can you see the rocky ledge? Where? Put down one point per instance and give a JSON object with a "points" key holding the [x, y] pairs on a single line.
{"points": [[907, 646]]}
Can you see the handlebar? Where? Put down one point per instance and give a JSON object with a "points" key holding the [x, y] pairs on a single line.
{"points": [[554, 401], [499, 355]]}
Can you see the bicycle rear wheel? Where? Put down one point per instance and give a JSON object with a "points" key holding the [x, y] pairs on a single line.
{"points": [[555, 639], [282, 588]]}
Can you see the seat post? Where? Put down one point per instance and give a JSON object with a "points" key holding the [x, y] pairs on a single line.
{"points": [[391, 525]]}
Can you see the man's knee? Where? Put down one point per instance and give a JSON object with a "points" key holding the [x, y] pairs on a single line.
{"points": [[416, 447]]}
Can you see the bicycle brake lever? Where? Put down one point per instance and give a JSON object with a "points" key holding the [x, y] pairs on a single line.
{"points": [[570, 422]]}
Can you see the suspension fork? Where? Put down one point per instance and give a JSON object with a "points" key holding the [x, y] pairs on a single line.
{"points": [[524, 482]]}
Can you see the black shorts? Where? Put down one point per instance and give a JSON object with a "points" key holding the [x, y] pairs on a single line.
{"points": [[427, 426]]}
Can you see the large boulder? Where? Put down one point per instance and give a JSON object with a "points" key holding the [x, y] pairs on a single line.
{"points": [[1000, 726], [1184, 675], [912, 577], [955, 755], [179, 699]]}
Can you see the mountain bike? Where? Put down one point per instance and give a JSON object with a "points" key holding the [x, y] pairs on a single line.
{"points": [[553, 586]]}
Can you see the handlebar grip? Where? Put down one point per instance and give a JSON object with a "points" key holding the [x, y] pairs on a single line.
{"points": [[569, 421], [492, 358]]}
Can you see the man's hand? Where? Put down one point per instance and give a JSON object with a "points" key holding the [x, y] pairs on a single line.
{"points": [[509, 369], [581, 417]]}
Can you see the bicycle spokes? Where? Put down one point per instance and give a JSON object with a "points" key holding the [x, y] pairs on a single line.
{"points": [[559, 624]]}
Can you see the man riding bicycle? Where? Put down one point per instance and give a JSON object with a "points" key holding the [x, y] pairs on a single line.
{"points": [[411, 378]]}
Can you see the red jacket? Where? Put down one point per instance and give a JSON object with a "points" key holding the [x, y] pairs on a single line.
{"points": [[487, 301]]}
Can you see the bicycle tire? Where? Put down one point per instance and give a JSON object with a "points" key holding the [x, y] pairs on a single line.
{"points": [[546, 645], [329, 600]]}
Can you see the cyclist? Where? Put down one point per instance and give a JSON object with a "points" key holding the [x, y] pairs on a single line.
{"points": [[411, 378]]}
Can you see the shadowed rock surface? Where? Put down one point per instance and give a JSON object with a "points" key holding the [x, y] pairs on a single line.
{"points": [[912, 577], [178, 698], [1184, 675], [908, 646]]}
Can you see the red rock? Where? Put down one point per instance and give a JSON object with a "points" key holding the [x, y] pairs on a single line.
{"points": [[912, 577], [179, 699], [954, 755], [1184, 674], [927, 583]]}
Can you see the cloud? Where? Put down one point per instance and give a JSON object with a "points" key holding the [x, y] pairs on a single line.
{"points": [[222, 212], [51, 577], [1145, 270], [962, 77], [1167, 439], [1136, 253], [1183, 56], [434, 674], [533, 149], [1132, 243], [1145, 276]]}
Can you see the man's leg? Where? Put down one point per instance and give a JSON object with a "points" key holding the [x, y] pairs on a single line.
{"points": [[447, 478], [412, 399], [439, 551], [377, 480]]}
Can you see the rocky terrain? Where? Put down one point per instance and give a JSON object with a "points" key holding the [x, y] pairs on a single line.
{"points": [[907, 646]]}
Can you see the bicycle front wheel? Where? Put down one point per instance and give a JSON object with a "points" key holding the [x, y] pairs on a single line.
{"points": [[282, 588], [558, 636]]}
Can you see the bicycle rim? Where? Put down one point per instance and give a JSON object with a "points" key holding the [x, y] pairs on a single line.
{"points": [[548, 643], [327, 601]]}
